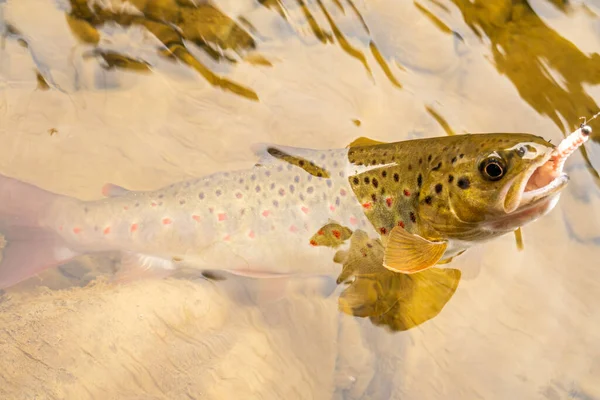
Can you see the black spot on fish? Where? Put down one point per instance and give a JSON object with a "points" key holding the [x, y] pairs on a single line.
{"points": [[301, 163], [396, 177], [374, 197], [419, 180], [461, 155], [337, 201], [137, 204], [310, 189], [320, 174], [201, 196], [301, 197], [420, 161], [329, 183], [292, 188], [367, 180], [241, 180], [160, 196], [438, 188], [375, 183], [453, 160], [253, 177], [275, 203], [429, 157], [463, 183], [267, 173], [437, 166], [413, 217], [257, 189], [182, 201], [428, 200], [383, 174], [450, 178], [410, 167], [272, 186], [355, 180]]}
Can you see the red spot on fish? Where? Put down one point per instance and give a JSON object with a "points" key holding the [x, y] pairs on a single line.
{"points": [[320, 232], [389, 201], [353, 221], [332, 208], [196, 218], [60, 228], [304, 210], [266, 213], [367, 205], [76, 230], [406, 193], [222, 216], [227, 238], [134, 227], [401, 224], [383, 230], [211, 210], [337, 234], [342, 192], [166, 221], [153, 204], [313, 242], [238, 195], [107, 230], [251, 235], [125, 208], [293, 228]]}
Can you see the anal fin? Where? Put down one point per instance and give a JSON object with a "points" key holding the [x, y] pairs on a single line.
{"points": [[408, 253], [136, 267]]}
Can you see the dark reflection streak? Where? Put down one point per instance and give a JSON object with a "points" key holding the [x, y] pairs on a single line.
{"points": [[436, 21], [342, 40], [440, 120], [340, 6], [440, 5], [359, 16], [276, 4], [383, 64], [204, 25], [322, 36]]}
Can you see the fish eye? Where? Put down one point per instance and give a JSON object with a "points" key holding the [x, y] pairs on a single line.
{"points": [[492, 168]]}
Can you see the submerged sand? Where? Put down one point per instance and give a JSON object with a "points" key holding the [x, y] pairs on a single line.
{"points": [[520, 324]]}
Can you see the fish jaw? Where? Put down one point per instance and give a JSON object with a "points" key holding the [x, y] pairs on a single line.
{"points": [[536, 195]]}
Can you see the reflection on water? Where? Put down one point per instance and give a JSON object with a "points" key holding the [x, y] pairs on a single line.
{"points": [[184, 87]]}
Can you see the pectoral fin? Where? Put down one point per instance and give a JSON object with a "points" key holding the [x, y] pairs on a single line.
{"points": [[407, 253]]}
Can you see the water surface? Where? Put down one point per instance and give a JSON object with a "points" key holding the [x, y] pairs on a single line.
{"points": [[148, 92]]}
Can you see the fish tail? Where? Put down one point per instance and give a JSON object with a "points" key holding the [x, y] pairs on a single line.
{"points": [[29, 247]]}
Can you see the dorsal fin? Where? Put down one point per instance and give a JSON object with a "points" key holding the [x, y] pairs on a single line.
{"points": [[306, 159], [364, 141], [112, 190]]}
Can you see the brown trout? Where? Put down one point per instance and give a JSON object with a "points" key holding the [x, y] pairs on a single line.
{"points": [[427, 200]]}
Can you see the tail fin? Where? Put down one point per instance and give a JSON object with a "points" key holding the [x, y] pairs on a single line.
{"points": [[30, 247]]}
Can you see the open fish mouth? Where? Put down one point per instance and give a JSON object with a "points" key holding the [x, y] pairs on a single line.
{"points": [[544, 180]]}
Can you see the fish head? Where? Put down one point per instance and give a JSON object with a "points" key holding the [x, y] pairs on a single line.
{"points": [[493, 184]]}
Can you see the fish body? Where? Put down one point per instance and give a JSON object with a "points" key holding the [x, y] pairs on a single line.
{"points": [[293, 210]]}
